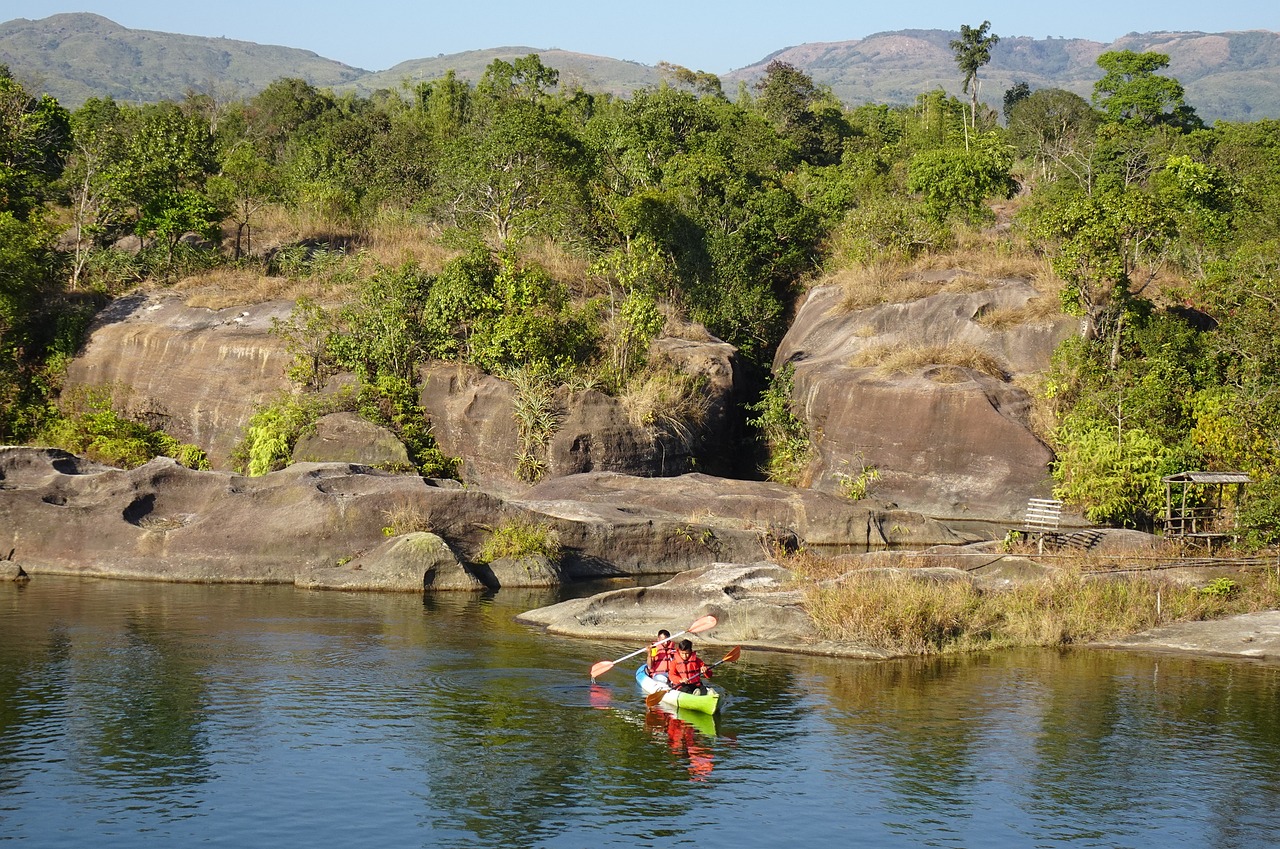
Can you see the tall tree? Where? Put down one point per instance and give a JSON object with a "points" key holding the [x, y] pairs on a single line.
{"points": [[1132, 91], [973, 51]]}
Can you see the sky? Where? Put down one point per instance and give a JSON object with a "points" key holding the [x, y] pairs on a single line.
{"points": [[705, 35]]}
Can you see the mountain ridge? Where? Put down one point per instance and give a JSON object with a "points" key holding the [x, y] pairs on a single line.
{"points": [[74, 56]]}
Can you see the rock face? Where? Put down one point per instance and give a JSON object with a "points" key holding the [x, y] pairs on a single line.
{"points": [[322, 524], [475, 416], [348, 438], [754, 606], [165, 522], [195, 373], [949, 442]]}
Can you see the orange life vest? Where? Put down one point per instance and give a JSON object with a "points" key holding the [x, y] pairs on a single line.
{"points": [[686, 670]]}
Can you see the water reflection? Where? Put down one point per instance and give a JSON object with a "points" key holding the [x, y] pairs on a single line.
{"points": [[134, 714], [689, 735]]}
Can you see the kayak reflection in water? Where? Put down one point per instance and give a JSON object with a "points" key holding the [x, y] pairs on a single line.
{"points": [[683, 742]]}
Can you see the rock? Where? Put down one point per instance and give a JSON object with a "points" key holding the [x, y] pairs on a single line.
{"points": [[408, 563], [471, 418], [1252, 635], [348, 438], [162, 521], [952, 443], [195, 373], [12, 572], [531, 571], [474, 417], [753, 603], [700, 510]]}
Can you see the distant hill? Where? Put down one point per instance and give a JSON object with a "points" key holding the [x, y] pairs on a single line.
{"points": [[78, 56], [592, 73], [1233, 75]]}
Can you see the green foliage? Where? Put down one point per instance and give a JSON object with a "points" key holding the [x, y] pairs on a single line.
{"points": [[1130, 90], [381, 333], [91, 428], [784, 433], [1114, 476], [956, 182], [537, 417], [1259, 517], [306, 337], [972, 51], [1222, 587], [518, 538], [392, 402], [274, 429], [856, 486]]}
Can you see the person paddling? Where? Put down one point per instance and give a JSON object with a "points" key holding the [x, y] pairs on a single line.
{"points": [[686, 670], [660, 655]]}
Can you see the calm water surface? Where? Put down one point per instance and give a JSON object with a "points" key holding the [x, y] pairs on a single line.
{"points": [[146, 714]]}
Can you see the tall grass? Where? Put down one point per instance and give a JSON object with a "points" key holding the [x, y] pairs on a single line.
{"points": [[899, 358], [905, 614]]}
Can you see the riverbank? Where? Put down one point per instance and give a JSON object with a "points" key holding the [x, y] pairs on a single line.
{"points": [[762, 607]]}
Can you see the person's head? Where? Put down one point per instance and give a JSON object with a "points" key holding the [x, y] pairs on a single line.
{"points": [[686, 646], [664, 634]]}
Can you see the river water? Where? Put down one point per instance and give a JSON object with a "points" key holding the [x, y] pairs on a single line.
{"points": [[136, 715]]}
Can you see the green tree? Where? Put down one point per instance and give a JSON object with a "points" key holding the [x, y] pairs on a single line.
{"points": [[35, 138], [972, 52], [516, 171], [1056, 129], [166, 161], [1131, 91]]}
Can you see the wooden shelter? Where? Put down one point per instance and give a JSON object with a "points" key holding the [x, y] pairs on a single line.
{"points": [[1202, 505]]}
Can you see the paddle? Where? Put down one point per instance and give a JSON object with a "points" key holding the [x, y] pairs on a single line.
{"points": [[655, 697], [706, 623]]}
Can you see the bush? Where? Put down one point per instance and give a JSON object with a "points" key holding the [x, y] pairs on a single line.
{"points": [[93, 429], [782, 430], [518, 538]]}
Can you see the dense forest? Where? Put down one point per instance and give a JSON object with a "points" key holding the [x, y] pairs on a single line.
{"points": [[550, 234]]}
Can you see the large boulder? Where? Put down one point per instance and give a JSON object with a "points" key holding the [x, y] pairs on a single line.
{"points": [[755, 605], [165, 522], [195, 373], [476, 416], [950, 442], [693, 520], [348, 438], [411, 562]]}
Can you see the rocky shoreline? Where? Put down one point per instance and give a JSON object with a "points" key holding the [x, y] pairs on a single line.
{"points": [[325, 526]]}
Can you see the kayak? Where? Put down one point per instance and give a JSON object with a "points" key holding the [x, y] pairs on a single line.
{"points": [[675, 699]]}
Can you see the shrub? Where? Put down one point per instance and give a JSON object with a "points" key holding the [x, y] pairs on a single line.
{"points": [[519, 538], [92, 428], [782, 430]]}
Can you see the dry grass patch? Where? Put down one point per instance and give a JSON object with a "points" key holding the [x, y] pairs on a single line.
{"points": [[559, 263], [229, 286], [903, 614], [1039, 310], [668, 399], [871, 285], [889, 358], [396, 240], [404, 518]]}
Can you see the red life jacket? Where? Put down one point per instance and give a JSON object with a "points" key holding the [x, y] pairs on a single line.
{"points": [[659, 657], [685, 670]]}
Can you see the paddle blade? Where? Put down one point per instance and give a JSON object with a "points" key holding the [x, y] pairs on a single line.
{"points": [[653, 699], [706, 623], [734, 654], [601, 668]]}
